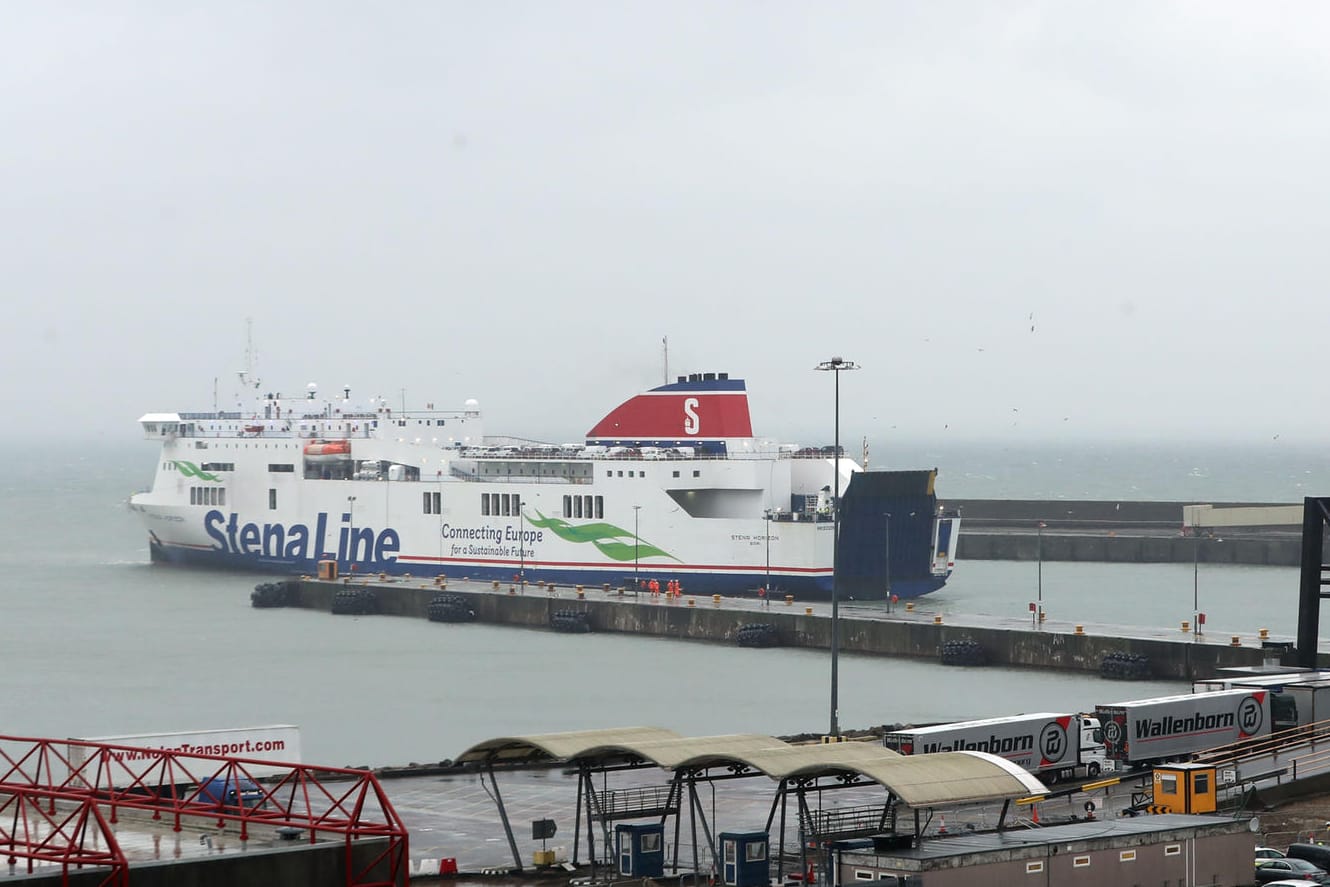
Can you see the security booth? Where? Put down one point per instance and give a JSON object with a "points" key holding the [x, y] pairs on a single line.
{"points": [[1184, 788], [641, 850], [744, 859]]}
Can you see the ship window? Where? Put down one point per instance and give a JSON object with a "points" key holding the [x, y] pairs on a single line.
{"points": [[427, 504], [630, 474], [221, 497], [696, 473], [590, 511], [609, 474], [438, 502], [280, 467], [507, 504], [272, 499], [620, 474], [577, 506], [600, 507], [567, 506], [484, 505], [193, 496], [676, 474]]}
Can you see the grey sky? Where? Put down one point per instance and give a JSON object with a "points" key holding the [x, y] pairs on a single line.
{"points": [[1027, 221]]}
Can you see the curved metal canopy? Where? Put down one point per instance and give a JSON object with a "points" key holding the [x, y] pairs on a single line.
{"points": [[917, 780]]}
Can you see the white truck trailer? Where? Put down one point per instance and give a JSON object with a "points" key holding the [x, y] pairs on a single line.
{"points": [[1171, 728], [278, 743], [1051, 745]]}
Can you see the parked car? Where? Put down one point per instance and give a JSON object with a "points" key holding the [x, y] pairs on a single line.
{"points": [[1269, 870], [1269, 853], [1292, 882]]}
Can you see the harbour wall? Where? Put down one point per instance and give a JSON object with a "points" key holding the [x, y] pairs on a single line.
{"points": [[1122, 547], [325, 863], [1117, 532], [899, 634]]}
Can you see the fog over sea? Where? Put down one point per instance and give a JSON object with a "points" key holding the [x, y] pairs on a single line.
{"points": [[100, 642]]}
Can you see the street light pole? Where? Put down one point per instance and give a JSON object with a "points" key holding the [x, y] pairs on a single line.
{"points": [[835, 366], [350, 532], [1196, 585], [637, 583], [1040, 580], [886, 552], [766, 587]]}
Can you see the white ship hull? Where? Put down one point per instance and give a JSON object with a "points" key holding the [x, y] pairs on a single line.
{"points": [[268, 493]]}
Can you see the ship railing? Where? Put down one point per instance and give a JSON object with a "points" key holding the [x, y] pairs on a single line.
{"points": [[493, 454], [469, 477]]}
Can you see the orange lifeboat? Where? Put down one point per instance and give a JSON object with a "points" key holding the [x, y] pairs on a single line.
{"points": [[328, 451]]}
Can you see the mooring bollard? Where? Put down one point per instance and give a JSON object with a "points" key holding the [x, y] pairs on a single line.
{"points": [[909, 606], [496, 584], [715, 600], [581, 592], [512, 589], [789, 599], [808, 611], [1265, 634], [937, 620], [1236, 642], [1080, 629], [1186, 626], [691, 602]]}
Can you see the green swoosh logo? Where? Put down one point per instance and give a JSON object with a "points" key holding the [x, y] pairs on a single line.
{"points": [[602, 535], [189, 469]]}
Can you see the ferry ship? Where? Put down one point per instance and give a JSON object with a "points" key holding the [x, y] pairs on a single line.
{"points": [[670, 485]]}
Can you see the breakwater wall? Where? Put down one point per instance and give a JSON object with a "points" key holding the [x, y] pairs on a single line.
{"points": [[881, 634], [1124, 547], [1114, 532]]}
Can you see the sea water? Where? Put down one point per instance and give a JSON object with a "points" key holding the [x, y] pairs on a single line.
{"points": [[101, 642]]}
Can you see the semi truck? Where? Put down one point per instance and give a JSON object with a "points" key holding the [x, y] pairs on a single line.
{"points": [[1051, 745], [1171, 728], [1296, 698], [134, 757]]}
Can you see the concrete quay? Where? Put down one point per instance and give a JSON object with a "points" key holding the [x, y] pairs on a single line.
{"points": [[870, 629]]}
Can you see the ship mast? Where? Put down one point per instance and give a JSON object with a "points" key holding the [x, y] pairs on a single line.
{"points": [[665, 357]]}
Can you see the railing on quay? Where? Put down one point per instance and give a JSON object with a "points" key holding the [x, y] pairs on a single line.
{"points": [[335, 801]]}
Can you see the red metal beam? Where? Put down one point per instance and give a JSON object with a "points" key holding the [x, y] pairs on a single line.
{"points": [[334, 801], [31, 830]]}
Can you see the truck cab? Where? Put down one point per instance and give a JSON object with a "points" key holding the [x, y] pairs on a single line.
{"points": [[1093, 757], [231, 793]]}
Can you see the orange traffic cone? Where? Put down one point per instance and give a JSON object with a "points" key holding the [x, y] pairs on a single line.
{"points": [[942, 826], [1034, 813]]}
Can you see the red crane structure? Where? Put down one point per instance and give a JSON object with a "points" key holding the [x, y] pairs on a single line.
{"points": [[53, 793]]}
